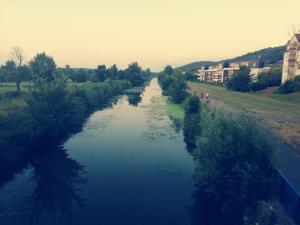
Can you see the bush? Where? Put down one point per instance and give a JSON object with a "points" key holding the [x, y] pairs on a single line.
{"points": [[240, 80], [257, 86]]}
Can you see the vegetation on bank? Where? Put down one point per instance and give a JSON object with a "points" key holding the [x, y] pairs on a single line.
{"points": [[52, 108], [233, 171]]}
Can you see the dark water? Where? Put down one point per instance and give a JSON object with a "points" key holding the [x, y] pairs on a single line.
{"points": [[127, 166]]}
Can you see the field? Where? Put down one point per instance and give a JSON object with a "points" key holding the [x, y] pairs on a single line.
{"points": [[11, 86], [279, 112], [262, 102]]}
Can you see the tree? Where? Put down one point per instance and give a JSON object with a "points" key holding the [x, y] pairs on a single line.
{"points": [[240, 80], [43, 67], [178, 90], [191, 126], [18, 57], [113, 72], [168, 70], [9, 70], [101, 73], [233, 163], [134, 74], [79, 76]]}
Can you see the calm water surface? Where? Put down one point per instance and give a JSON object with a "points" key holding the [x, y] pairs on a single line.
{"points": [[127, 166]]}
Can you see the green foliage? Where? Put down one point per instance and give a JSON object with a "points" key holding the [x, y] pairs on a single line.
{"points": [[168, 70], [290, 86], [43, 67], [177, 90], [240, 80], [101, 73], [191, 75], [233, 161], [267, 79], [134, 74], [193, 105], [191, 127], [174, 86]]}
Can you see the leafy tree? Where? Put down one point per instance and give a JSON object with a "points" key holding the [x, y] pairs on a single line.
{"points": [[191, 75], [178, 90], [10, 69], [191, 127], [168, 70], [43, 67], [240, 81], [101, 73], [234, 168], [113, 72], [134, 74], [79, 76]]}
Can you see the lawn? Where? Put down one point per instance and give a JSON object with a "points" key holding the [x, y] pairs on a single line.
{"points": [[176, 111], [266, 101]]}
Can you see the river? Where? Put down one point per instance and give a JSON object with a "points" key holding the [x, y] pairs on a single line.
{"points": [[128, 165]]}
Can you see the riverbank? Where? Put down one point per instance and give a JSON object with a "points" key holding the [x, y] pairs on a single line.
{"points": [[278, 112]]}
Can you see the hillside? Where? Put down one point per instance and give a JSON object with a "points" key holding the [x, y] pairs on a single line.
{"points": [[268, 55]]}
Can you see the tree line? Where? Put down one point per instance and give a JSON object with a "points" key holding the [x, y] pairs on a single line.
{"points": [[42, 65]]}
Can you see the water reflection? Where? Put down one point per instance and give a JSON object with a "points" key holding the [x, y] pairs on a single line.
{"points": [[57, 178], [206, 211], [134, 99]]}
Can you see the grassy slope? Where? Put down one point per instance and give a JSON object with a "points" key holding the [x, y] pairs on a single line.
{"points": [[266, 102], [176, 111], [262, 102]]}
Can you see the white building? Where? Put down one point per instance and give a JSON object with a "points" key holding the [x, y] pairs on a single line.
{"points": [[291, 59]]}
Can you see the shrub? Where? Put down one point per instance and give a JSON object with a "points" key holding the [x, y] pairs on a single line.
{"points": [[240, 81]]}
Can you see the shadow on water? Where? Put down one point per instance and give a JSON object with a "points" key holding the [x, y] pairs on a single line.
{"points": [[206, 211], [57, 178], [134, 99]]}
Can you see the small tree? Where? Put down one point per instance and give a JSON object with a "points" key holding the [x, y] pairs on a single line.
{"points": [[240, 81], [18, 57], [168, 70]]}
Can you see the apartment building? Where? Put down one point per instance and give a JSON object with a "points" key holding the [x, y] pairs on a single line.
{"points": [[221, 72], [291, 59]]}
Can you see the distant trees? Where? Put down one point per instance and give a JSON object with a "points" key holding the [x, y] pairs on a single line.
{"points": [[43, 67], [240, 80]]}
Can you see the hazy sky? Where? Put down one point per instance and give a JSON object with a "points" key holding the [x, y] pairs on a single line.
{"points": [[85, 33]]}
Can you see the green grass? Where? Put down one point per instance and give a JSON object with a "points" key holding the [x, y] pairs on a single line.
{"points": [[134, 90], [266, 101], [11, 86], [176, 111]]}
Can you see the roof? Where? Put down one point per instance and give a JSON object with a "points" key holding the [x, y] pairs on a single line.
{"points": [[298, 37]]}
